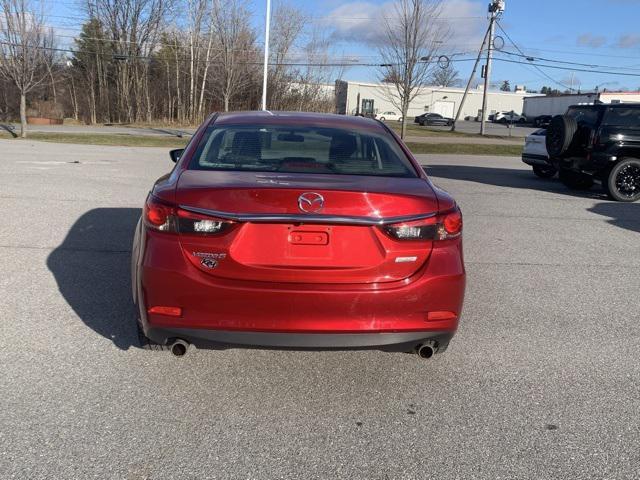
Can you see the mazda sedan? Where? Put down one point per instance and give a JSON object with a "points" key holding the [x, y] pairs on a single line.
{"points": [[297, 230]]}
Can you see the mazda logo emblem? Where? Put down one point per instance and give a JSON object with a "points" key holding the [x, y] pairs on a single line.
{"points": [[311, 202]]}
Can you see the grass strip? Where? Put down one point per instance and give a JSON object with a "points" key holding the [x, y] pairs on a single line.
{"points": [[466, 149]]}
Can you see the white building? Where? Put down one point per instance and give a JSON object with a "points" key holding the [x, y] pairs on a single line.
{"points": [[351, 97], [558, 104]]}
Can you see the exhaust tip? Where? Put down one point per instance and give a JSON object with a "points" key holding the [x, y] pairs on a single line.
{"points": [[426, 351], [179, 348]]}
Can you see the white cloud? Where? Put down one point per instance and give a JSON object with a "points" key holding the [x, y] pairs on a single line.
{"points": [[629, 40], [363, 22], [590, 40]]}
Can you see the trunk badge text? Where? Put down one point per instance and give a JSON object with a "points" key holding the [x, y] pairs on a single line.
{"points": [[209, 260], [311, 202]]}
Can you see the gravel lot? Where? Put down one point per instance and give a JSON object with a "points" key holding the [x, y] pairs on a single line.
{"points": [[542, 381]]}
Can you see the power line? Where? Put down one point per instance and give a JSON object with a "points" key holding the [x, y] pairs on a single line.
{"points": [[531, 58], [570, 69], [146, 57], [536, 67]]}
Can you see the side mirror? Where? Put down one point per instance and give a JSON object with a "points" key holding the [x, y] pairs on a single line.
{"points": [[176, 154]]}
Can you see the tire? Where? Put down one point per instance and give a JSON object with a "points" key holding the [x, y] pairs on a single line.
{"points": [[382, 119], [623, 182], [560, 134], [544, 172], [575, 180], [522, 120]]}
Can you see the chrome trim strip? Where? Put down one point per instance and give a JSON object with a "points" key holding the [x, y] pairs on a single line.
{"points": [[297, 218]]}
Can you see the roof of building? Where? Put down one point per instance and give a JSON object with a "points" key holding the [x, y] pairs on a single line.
{"points": [[520, 93]]}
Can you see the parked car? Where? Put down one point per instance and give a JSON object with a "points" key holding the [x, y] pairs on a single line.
{"points": [[535, 154], [433, 119], [294, 230], [509, 117], [393, 116], [598, 142], [542, 121]]}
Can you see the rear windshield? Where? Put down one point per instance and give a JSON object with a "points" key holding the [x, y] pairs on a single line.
{"points": [[622, 117], [296, 149], [585, 116]]}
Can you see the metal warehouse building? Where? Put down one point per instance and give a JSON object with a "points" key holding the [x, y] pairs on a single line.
{"points": [[354, 97], [558, 104]]}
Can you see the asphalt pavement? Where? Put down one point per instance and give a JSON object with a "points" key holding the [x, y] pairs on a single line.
{"points": [[542, 380]]}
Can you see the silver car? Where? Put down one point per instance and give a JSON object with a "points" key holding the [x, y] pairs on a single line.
{"points": [[535, 154]]}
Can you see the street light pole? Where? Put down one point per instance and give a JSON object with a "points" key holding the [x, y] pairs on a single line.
{"points": [[266, 55]]}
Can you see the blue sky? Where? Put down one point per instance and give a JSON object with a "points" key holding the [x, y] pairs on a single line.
{"points": [[605, 32]]}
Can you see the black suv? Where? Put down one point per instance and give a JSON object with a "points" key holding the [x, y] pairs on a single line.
{"points": [[598, 142]]}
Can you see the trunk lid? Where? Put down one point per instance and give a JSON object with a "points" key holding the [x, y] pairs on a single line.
{"points": [[300, 250]]}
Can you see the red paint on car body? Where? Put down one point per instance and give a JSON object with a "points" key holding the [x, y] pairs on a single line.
{"points": [[235, 250]]}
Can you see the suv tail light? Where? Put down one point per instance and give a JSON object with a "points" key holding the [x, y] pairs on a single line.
{"points": [[445, 226], [164, 217]]}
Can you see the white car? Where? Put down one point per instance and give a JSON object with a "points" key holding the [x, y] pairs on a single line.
{"points": [[509, 117], [385, 116], [535, 154]]}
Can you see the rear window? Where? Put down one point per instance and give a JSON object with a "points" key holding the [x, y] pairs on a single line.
{"points": [[296, 149], [623, 117], [585, 116]]}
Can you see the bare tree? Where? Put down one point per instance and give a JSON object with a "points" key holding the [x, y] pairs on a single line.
{"points": [[445, 77], [23, 45], [288, 23], [133, 27], [230, 23], [411, 35]]}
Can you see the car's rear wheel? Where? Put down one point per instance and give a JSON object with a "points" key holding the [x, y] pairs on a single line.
{"points": [[623, 182], [544, 172], [575, 180], [382, 119]]}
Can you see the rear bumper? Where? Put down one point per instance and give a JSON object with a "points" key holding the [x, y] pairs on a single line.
{"points": [[222, 339], [218, 312], [536, 160]]}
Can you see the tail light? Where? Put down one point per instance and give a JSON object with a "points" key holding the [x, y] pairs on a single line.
{"points": [[445, 226], [164, 217]]}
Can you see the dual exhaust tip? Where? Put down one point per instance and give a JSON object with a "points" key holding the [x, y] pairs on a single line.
{"points": [[426, 350]]}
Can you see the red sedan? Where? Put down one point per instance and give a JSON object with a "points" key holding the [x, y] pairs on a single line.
{"points": [[297, 230]]}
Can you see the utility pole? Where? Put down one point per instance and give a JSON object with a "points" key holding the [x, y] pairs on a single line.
{"points": [[471, 77], [496, 7], [266, 55]]}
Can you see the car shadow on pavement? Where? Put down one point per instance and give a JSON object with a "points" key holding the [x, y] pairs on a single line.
{"points": [[510, 178], [623, 215], [92, 269]]}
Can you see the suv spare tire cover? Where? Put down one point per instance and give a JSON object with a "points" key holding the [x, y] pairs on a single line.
{"points": [[560, 133]]}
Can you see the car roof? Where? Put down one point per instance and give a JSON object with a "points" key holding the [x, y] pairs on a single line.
{"points": [[268, 117]]}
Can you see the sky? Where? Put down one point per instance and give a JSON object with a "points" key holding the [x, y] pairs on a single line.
{"points": [[605, 33]]}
